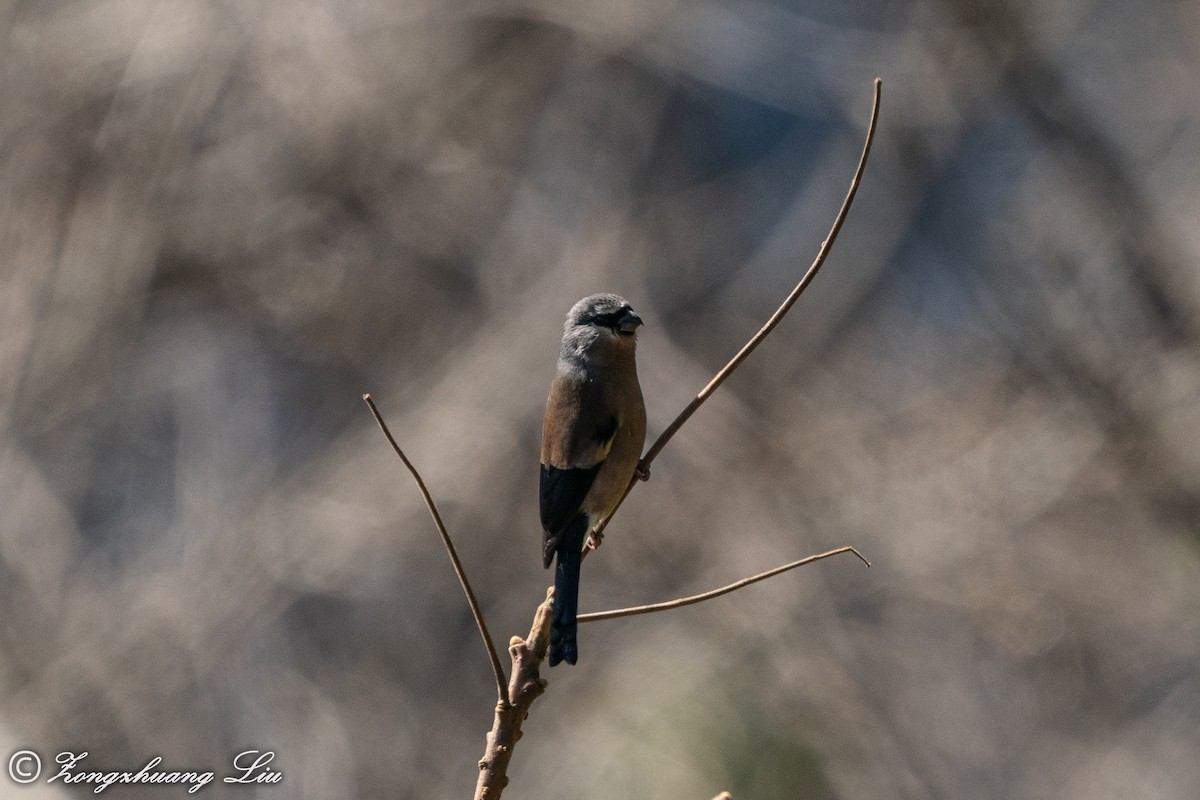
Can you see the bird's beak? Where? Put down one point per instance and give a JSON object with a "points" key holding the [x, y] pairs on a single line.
{"points": [[629, 323]]}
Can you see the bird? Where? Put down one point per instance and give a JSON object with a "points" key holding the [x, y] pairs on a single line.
{"points": [[592, 437]]}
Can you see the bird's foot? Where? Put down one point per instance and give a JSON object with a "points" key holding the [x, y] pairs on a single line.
{"points": [[594, 539], [641, 473]]}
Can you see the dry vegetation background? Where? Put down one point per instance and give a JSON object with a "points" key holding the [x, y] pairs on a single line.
{"points": [[220, 223]]}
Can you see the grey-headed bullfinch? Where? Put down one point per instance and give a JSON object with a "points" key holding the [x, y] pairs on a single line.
{"points": [[592, 437]]}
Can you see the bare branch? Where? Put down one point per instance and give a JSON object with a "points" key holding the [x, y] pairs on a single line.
{"points": [[700, 598], [525, 687], [501, 694], [643, 470]]}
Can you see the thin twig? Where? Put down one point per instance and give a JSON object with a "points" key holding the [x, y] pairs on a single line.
{"points": [[700, 598], [501, 689], [643, 470]]}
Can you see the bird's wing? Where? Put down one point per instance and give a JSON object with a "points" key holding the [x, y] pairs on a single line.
{"points": [[577, 434], [562, 492]]}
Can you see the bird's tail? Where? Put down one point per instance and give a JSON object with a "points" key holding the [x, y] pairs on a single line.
{"points": [[563, 646]]}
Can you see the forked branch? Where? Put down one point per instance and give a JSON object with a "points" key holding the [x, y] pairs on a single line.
{"points": [[517, 695], [503, 737], [525, 687]]}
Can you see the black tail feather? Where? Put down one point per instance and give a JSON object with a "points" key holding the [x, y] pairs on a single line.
{"points": [[563, 645]]}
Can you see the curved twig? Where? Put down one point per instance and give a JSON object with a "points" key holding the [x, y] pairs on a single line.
{"points": [[667, 605], [643, 469], [501, 689]]}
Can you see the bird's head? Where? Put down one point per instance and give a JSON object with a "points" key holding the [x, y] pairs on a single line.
{"points": [[600, 322], [607, 312]]}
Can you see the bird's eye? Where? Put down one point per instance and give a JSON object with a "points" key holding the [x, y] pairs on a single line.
{"points": [[608, 320]]}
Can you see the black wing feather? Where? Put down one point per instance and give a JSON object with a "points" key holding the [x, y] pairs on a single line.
{"points": [[562, 493]]}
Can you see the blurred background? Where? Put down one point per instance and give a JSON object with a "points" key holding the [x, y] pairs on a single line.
{"points": [[221, 223]]}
